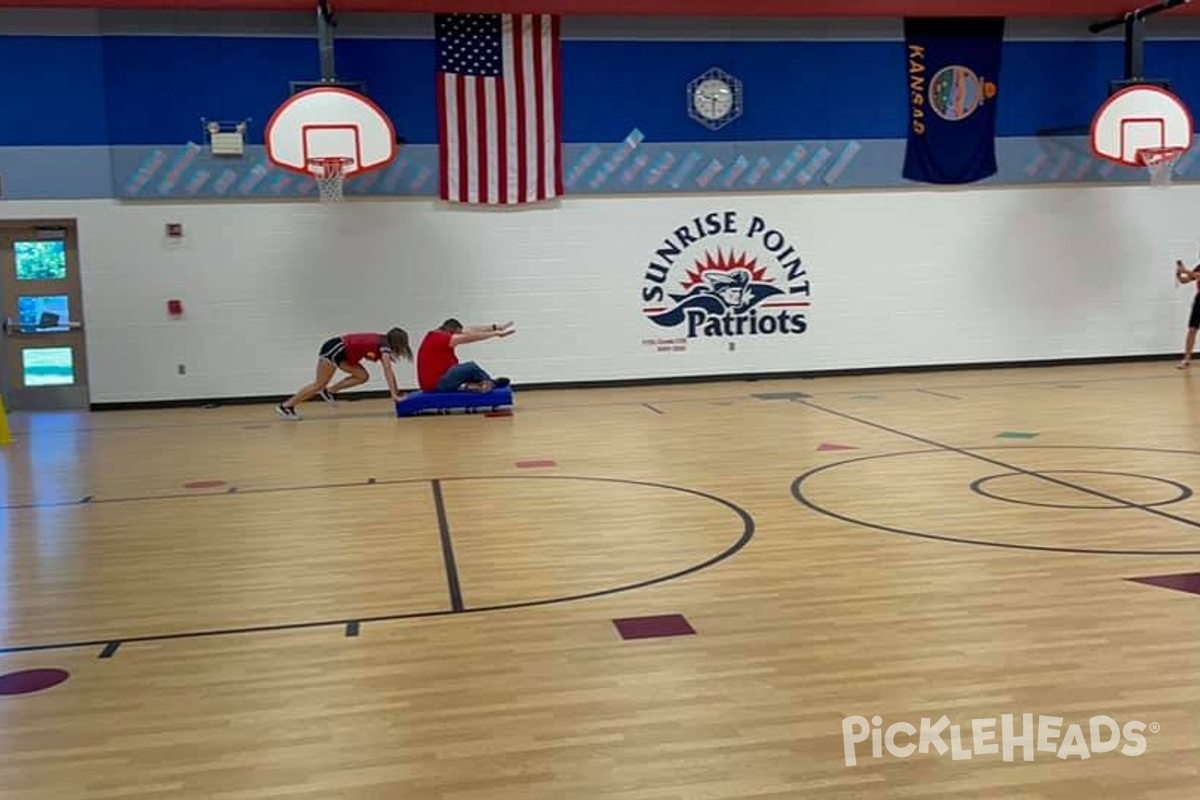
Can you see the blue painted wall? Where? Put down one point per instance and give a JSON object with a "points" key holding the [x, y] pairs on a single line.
{"points": [[54, 91], [624, 100]]}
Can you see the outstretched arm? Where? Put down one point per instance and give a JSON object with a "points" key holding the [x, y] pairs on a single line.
{"points": [[491, 327], [1185, 275], [472, 335]]}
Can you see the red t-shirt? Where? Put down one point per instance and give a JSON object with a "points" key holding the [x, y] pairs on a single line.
{"points": [[433, 359], [364, 345]]}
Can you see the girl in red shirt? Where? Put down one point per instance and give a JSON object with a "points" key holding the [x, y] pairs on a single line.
{"points": [[347, 353]]}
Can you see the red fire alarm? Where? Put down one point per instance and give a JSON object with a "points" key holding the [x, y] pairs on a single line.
{"points": [[175, 230], [175, 308]]}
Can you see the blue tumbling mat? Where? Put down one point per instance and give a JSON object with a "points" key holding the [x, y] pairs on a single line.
{"points": [[419, 403]]}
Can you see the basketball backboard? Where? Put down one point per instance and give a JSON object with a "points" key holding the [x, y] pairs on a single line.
{"points": [[330, 122], [1138, 120]]}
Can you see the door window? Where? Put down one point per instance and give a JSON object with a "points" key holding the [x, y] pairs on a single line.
{"points": [[47, 366], [40, 260]]}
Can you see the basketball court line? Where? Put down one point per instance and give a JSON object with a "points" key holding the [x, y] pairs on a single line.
{"points": [[25, 434], [800, 497], [939, 394], [1007, 385], [1185, 491], [997, 462], [93, 500], [439, 505], [112, 643]]}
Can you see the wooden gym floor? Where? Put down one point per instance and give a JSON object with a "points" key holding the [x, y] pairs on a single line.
{"points": [[356, 606]]}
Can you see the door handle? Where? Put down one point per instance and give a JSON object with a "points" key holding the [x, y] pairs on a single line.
{"points": [[11, 328]]}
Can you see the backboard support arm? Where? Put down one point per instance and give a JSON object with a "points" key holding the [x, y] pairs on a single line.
{"points": [[325, 26], [1135, 34]]}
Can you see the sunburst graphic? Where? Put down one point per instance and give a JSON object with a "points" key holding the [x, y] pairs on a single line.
{"points": [[725, 262]]}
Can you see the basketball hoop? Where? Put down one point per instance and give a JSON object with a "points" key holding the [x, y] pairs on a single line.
{"points": [[329, 133], [1159, 162], [330, 174], [1146, 126]]}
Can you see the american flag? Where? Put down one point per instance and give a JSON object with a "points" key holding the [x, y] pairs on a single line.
{"points": [[499, 107]]}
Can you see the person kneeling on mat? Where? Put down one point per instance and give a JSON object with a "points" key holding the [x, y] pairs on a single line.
{"points": [[347, 353], [438, 368]]}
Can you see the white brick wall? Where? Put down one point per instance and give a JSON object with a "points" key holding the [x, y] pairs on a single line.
{"points": [[898, 278]]}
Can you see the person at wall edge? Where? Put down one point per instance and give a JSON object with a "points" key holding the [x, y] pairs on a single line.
{"points": [[1185, 275]]}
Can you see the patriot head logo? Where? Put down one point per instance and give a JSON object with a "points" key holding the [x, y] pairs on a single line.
{"points": [[716, 278]]}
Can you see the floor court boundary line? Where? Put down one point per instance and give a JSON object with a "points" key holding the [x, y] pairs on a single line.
{"points": [[317, 487], [238, 423], [747, 534], [801, 497], [996, 462], [969, 387], [198, 495], [25, 433], [439, 505], [22, 433], [939, 394]]}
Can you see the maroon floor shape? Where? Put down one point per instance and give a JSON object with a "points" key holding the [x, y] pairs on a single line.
{"points": [[31, 680], [203, 484], [535, 463], [652, 627], [1183, 582]]}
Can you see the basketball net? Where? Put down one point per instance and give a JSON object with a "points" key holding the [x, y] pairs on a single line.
{"points": [[1159, 162], [330, 174]]}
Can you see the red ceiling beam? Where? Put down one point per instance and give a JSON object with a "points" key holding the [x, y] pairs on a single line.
{"points": [[1085, 9]]}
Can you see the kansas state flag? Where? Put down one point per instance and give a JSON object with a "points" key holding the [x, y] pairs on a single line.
{"points": [[953, 75]]}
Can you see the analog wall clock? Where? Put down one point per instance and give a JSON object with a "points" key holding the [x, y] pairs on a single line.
{"points": [[715, 99]]}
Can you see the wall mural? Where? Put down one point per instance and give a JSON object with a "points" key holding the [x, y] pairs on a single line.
{"points": [[629, 166]]}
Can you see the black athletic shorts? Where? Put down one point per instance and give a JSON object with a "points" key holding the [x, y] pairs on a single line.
{"points": [[334, 350], [1194, 319]]}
